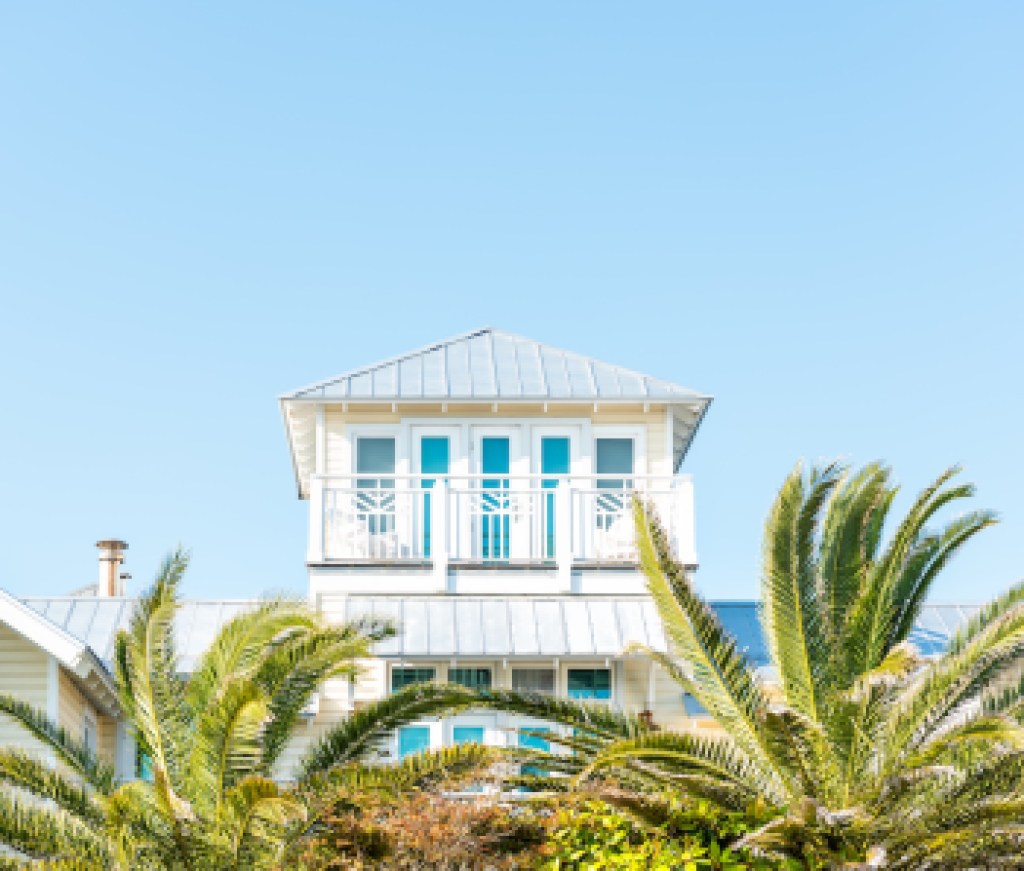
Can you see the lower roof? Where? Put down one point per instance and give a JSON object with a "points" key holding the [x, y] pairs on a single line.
{"points": [[466, 626]]}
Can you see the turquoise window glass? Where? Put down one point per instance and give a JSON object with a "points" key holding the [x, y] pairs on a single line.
{"points": [[534, 742], [590, 683], [473, 678], [468, 735], [143, 765], [495, 517], [554, 460], [413, 739], [435, 459], [404, 677]]}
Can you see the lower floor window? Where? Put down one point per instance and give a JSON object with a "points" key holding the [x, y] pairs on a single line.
{"points": [[472, 678], [468, 735], [413, 739], [533, 680], [590, 683], [404, 677]]}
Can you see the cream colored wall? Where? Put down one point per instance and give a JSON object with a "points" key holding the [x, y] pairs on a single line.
{"points": [[72, 706], [658, 451], [24, 673]]}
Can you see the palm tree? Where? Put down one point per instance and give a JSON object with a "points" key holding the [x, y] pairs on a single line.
{"points": [[863, 748], [212, 738], [867, 749]]}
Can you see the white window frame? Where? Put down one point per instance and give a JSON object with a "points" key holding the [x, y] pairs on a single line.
{"points": [[90, 735]]}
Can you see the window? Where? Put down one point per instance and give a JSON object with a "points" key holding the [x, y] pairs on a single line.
{"points": [[413, 739], [375, 463], [468, 735], [534, 741], [472, 678], [590, 683], [614, 458], [89, 733], [143, 765], [405, 677], [533, 680]]}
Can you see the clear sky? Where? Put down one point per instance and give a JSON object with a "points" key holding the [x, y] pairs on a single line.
{"points": [[813, 211]]}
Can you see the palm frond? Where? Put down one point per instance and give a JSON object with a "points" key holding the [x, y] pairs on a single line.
{"points": [[722, 680], [162, 718], [295, 669], [792, 608], [28, 773], [71, 752], [353, 737], [48, 834]]}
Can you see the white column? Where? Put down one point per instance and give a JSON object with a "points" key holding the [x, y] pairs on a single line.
{"points": [[439, 532], [563, 534], [686, 543], [315, 552]]}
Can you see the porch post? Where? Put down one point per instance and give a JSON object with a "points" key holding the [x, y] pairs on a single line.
{"points": [[563, 534], [439, 532]]}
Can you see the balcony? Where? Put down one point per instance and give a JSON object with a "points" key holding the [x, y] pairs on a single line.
{"points": [[557, 521]]}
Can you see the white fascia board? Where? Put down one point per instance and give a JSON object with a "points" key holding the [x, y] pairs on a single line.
{"points": [[65, 649], [41, 632]]}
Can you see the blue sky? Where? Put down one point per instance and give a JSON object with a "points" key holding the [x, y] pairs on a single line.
{"points": [[812, 211]]}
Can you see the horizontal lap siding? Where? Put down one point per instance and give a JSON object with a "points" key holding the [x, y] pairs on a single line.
{"points": [[24, 674], [658, 450]]}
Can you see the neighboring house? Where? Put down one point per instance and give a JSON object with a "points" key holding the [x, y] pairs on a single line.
{"points": [[56, 651], [478, 493]]}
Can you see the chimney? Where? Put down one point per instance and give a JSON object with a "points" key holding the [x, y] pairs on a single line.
{"points": [[111, 556]]}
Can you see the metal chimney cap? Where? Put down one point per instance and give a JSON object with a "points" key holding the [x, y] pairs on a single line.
{"points": [[112, 544]]}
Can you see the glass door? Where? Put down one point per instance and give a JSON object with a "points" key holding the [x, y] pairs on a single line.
{"points": [[554, 460], [375, 497], [435, 464], [495, 497]]}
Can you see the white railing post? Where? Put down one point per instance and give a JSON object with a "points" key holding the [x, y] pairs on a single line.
{"points": [[686, 538], [439, 532], [317, 520], [563, 533]]}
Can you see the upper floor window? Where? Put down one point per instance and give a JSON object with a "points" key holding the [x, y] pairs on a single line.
{"points": [[614, 458], [375, 457], [590, 683]]}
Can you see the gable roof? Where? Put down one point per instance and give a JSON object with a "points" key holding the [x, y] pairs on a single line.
{"points": [[92, 675], [491, 365]]}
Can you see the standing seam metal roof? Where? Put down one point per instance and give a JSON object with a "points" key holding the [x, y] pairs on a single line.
{"points": [[490, 364], [465, 626]]}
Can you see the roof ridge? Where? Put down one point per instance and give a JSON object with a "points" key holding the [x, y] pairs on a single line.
{"points": [[589, 360]]}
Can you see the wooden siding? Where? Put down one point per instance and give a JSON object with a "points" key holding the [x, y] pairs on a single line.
{"points": [[658, 451], [24, 673]]}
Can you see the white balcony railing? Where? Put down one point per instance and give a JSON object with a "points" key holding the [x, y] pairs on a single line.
{"points": [[499, 520]]}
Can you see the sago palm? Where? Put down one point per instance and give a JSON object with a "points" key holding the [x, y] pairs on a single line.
{"points": [[212, 739]]}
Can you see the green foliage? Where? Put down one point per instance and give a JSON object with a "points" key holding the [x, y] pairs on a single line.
{"points": [[593, 835], [864, 751], [212, 739]]}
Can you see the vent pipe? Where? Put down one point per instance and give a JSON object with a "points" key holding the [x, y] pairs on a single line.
{"points": [[111, 581]]}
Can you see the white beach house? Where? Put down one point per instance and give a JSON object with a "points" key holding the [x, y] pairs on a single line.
{"points": [[477, 492]]}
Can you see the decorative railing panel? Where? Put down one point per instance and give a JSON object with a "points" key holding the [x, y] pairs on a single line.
{"points": [[510, 520]]}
